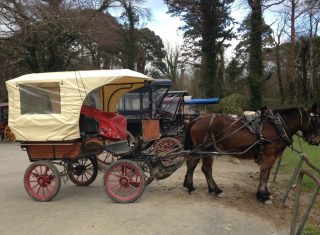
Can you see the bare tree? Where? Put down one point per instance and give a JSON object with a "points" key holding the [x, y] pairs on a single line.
{"points": [[278, 35], [173, 61], [313, 13]]}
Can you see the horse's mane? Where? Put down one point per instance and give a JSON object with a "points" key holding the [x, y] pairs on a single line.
{"points": [[187, 141], [286, 111]]}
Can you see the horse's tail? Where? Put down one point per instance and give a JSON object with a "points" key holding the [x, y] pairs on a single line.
{"points": [[188, 144]]}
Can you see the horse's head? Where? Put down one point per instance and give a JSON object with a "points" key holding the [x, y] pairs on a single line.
{"points": [[310, 125]]}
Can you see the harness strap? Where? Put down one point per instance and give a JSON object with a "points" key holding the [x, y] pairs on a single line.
{"points": [[282, 128], [209, 132]]}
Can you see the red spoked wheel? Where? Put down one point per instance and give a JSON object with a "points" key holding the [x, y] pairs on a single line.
{"points": [[166, 145], [105, 159], [42, 181], [84, 171], [124, 181]]}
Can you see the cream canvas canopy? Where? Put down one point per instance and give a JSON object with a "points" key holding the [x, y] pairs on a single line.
{"points": [[46, 106]]}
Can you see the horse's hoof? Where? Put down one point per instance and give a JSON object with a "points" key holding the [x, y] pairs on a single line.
{"points": [[191, 189], [220, 195], [268, 202]]}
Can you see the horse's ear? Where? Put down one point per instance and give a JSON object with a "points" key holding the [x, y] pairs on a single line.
{"points": [[314, 108]]}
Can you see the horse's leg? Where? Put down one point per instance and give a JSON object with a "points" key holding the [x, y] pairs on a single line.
{"points": [[267, 162], [188, 179], [206, 168]]}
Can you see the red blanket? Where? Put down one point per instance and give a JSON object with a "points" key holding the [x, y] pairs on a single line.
{"points": [[111, 125]]}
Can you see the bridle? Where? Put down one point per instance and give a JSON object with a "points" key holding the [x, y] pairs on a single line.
{"points": [[311, 125]]}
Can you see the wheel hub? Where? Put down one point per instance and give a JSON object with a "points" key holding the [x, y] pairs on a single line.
{"points": [[79, 169], [124, 181], [42, 181]]}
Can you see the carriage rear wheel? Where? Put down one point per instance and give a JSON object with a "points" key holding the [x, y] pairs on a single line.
{"points": [[83, 172], [42, 181], [105, 159], [124, 181], [166, 145], [8, 135]]}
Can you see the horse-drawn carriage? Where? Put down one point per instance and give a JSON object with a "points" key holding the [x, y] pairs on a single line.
{"points": [[57, 124], [50, 117]]}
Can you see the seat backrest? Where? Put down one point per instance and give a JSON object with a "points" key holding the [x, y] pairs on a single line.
{"points": [[88, 125]]}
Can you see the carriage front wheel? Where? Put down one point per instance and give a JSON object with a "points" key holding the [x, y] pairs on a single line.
{"points": [[42, 181], [124, 181]]}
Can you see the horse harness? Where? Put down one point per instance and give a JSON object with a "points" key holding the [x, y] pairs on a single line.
{"points": [[254, 123]]}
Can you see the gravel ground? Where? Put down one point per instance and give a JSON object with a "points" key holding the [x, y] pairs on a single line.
{"points": [[164, 208]]}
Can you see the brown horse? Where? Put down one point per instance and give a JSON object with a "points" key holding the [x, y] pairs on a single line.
{"points": [[226, 134]]}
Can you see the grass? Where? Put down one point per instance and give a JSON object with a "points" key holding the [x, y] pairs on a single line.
{"points": [[311, 230], [290, 161]]}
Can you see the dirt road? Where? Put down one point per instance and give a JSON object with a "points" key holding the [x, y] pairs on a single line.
{"points": [[164, 208]]}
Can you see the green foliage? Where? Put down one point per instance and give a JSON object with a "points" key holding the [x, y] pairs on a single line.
{"points": [[273, 103], [233, 104], [234, 70], [150, 50], [311, 230], [208, 24]]}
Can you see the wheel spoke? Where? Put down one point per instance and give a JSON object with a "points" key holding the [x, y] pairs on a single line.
{"points": [[84, 163], [119, 176], [90, 164], [88, 172], [86, 176], [119, 189], [116, 185], [47, 188], [37, 171], [35, 186], [39, 189]]}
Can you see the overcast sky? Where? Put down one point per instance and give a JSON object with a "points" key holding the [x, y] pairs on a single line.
{"points": [[166, 26]]}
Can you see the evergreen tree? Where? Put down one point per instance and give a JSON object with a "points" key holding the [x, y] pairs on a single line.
{"points": [[207, 27]]}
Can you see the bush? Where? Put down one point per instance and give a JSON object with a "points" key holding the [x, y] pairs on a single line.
{"points": [[233, 104]]}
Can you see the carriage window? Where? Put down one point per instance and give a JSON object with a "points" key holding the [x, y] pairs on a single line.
{"points": [[93, 99], [132, 101], [40, 98]]}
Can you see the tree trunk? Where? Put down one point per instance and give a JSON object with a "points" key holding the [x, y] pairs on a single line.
{"points": [[131, 39], [280, 84], [255, 65], [209, 47], [293, 65], [304, 70]]}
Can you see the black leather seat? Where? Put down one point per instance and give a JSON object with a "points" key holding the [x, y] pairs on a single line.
{"points": [[88, 125]]}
